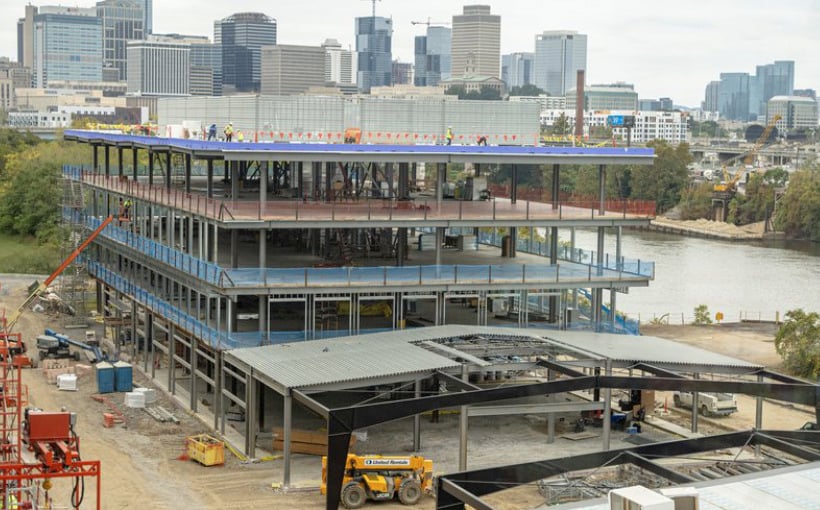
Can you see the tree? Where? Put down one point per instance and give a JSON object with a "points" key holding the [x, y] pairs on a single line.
{"points": [[798, 343], [696, 202], [665, 180], [561, 126], [456, 90], [485, 93], [798, 212], [526, 90], [702, 316]]}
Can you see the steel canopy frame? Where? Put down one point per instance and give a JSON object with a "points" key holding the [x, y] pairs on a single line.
{"points": [[343, 421]]}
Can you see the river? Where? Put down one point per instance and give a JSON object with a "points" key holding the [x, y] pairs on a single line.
{"points": [[755, 279]]}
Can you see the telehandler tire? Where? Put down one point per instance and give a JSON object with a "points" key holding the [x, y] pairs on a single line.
{"points": [[353, 495], [409, 492]]}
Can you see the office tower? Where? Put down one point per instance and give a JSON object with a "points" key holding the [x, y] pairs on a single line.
{"points": [[770, 80], [159, 66], [148, 11], [67, 45], [242, 36], [339, 63], [433, 56], [517, 69], [290, 69], [559, 55], [402, 73], [374, 36], [733, 96], [122, 21], [795, 112], [208, 56], [476, 43], [25, 37], [712, 97]]}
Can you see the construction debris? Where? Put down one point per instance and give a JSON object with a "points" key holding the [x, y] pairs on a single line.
{"points": [[161, 414]]}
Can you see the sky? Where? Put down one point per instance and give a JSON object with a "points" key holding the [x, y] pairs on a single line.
{"points": [[666, 49]]}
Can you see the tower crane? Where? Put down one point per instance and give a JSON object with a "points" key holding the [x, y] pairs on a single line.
{"points": [[429, 23]]}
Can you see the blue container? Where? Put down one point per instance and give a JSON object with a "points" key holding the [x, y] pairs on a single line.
{"points": [[123, 376], [105, 377]]}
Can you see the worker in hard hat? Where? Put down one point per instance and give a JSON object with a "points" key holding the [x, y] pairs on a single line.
{"points": [[228, 132], [449, 135], [240, 136]]}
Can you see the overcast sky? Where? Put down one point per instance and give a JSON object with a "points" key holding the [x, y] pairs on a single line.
{"points": [[666, 49]]}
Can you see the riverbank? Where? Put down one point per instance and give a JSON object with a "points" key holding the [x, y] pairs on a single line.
{"points": [[708, 229]]}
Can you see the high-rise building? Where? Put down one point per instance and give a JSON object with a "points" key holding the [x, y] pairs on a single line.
{"points": [[148, 11], [374, 46], [159, 66], [607, 97], [25, 37], [242, 36], [559, 55], [208, 56], [67, 45], [339, 63], [433, 56], [517, 69], [770, 80], [712, 97], [795, 112], [733, 96], [476, 43], [402, 73], [289, 69], [122, 21]]}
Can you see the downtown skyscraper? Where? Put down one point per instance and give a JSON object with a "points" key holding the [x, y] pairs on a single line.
{"points": [[559, 55], [476, 43], [241, 37]]}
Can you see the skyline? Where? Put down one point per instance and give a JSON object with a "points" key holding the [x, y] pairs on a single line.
{"points": [[658, 55]]}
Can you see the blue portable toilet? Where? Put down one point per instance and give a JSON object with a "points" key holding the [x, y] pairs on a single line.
{"points": [[105, 377], [123, 376]]}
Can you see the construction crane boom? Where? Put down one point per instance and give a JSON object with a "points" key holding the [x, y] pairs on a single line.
{"points": [[730, 181], [428, 22]]}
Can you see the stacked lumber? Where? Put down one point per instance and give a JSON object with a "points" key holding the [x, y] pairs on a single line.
{"points": [[304, 441]]}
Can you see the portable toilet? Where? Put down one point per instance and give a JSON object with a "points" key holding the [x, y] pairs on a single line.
{"points": [[105, 377], [123, 376]]}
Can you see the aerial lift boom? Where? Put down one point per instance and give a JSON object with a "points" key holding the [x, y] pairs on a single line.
{"points": [[57, 272]]}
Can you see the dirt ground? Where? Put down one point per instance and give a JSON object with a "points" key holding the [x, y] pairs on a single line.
{"points": [[141, 466]]}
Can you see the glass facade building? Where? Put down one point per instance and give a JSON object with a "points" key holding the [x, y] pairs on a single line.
{"points": [[209, 56], [241, 37], [559, 55], [733, 96], [517, 69], [67, 45], [433, 56], [374, 39], [122, 21]]}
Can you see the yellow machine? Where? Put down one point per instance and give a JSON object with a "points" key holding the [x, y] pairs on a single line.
{"points": [[382, 478]]}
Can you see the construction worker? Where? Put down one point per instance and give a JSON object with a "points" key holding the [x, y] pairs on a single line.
{"points": [[126, 208], [212, 132], [240, 136], [449, 135], [228, 132]]}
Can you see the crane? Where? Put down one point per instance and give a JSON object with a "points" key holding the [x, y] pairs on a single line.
{"points": [[429, 23], [374, 6], [730, 181]]}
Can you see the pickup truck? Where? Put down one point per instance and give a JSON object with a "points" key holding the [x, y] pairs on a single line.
{"points": [[709, 404]]}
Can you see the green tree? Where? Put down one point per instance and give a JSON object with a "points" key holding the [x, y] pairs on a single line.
{"points": [[696, 201], [798, 212], [702, 316], [798, 343], [755, 205], [561, 126], [526, 90], [665, 180], [456, 90]]}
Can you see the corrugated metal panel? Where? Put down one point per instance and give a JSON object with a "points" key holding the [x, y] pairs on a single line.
{"points": [[645, 349], [313, 363]]}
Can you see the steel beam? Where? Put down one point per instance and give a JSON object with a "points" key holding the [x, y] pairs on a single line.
{"points": [[662, 471]]}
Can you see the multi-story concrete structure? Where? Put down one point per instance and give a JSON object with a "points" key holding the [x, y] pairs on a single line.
{"points": [[290, 69], [433, 56], [339, 63], [670, 126], [12, 76], [476, 44], [559, 55], [25, 37], [374, 49], [606, 97], [67, 45], [159, 67], [545, 102], [795, 112], [518, 69], [241, 37], [122, 21], [297, 253]]}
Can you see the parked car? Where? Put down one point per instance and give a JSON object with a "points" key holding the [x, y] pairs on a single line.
{"points": [[709, 404]]}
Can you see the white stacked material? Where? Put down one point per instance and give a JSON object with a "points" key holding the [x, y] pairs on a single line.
{"points": [[135, 399], [67, 382], [150, 394]]}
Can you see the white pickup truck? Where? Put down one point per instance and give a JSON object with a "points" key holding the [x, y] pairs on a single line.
{"points": [[709, 404]]}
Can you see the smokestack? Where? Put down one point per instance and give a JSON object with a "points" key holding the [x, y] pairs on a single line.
{"points": [[579, 105]]}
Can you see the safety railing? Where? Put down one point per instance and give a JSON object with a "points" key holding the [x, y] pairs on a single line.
{"points": [[351, 210]]}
